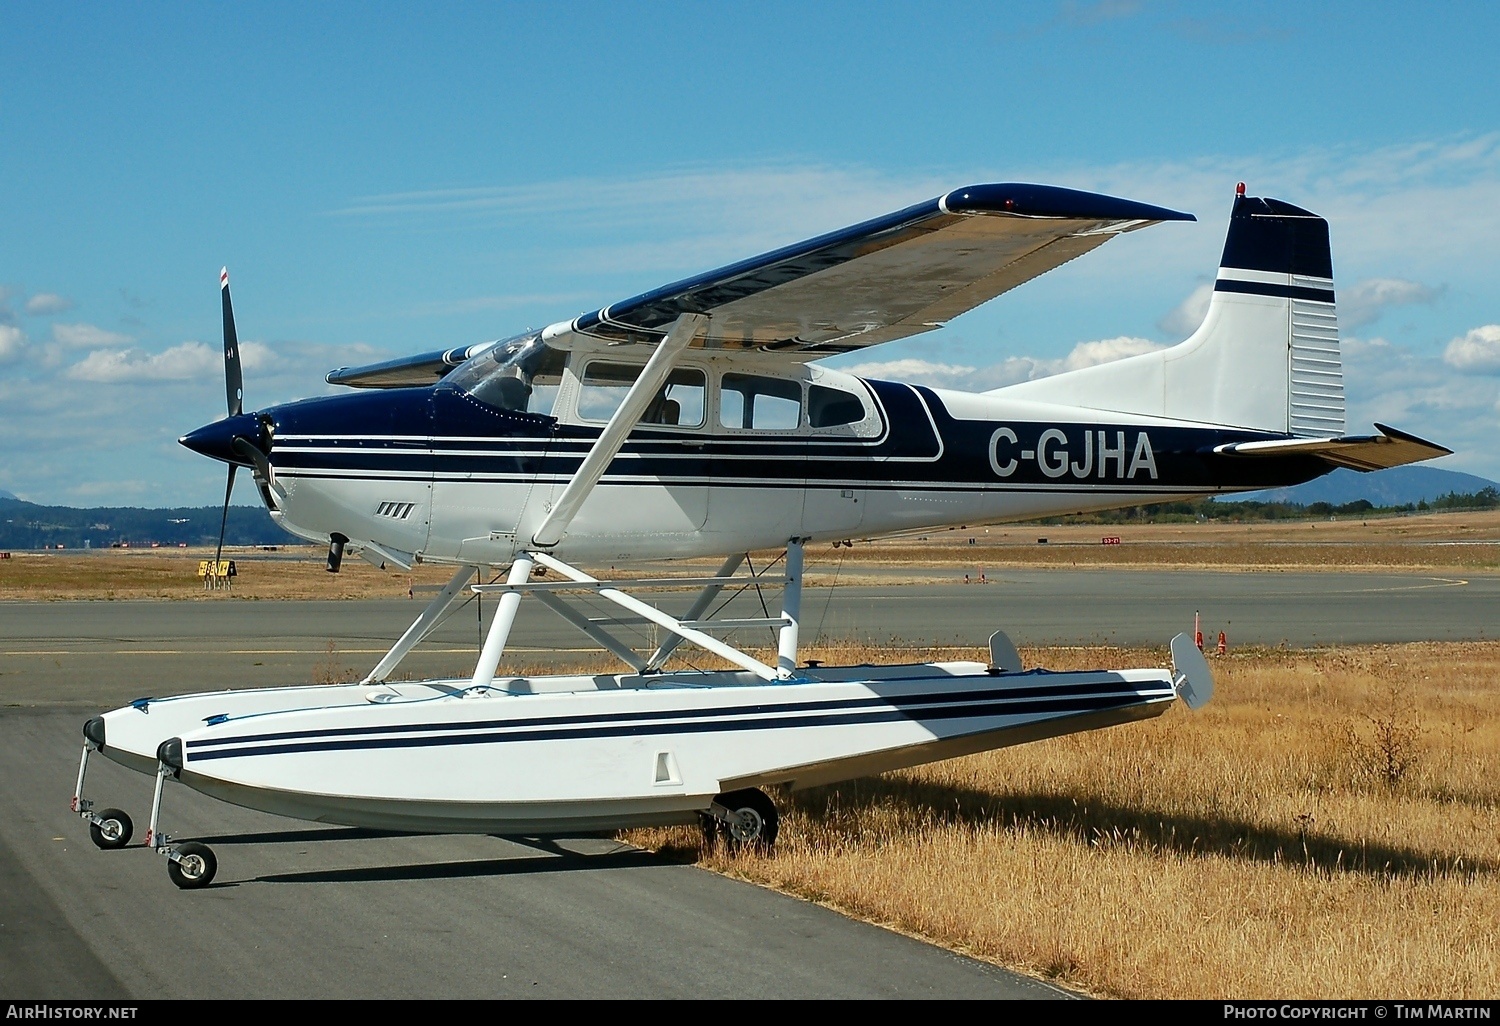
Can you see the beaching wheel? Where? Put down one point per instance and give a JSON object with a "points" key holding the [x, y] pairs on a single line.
{"points": [[758, 819], [195, 866], [111, 829]]}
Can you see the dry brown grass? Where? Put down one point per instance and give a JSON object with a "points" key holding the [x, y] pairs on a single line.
{"points": [[296, 573], [1262, 847], [1469, 542]]}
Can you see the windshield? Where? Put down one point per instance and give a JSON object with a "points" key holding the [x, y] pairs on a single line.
{"points": [[522, 374]]}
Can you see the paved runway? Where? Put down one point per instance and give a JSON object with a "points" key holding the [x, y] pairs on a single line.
{"points": [[303, 911], [93, 653], [306, 911]]}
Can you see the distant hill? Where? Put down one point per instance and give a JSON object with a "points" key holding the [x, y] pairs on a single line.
{"points": [[8, 495], [1395, 487], [26, 525]]}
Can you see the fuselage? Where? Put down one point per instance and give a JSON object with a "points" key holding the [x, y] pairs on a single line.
{"points": [[749, 457]]}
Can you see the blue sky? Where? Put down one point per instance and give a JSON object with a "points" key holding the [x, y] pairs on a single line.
{"points": [[390, 178]]}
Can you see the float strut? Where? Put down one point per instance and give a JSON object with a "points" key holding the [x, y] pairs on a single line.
{"points": [[505, 618], [698, 608], [791, 612], [422, 626]]}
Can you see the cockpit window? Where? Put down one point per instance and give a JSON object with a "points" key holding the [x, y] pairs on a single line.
{"points": [[678, 403], [521, 374]]}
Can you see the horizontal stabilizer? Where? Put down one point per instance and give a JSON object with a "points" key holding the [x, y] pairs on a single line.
{"points": [[1390, 448]]}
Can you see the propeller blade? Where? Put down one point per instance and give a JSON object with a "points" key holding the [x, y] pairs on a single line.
{"points": [[224, 521], [234, 381]]}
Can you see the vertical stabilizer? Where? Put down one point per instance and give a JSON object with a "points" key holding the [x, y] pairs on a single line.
{"points": [[1267, 353]]}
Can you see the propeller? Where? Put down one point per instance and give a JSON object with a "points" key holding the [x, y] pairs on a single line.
{"points": [[234, 388], [234, 381]]}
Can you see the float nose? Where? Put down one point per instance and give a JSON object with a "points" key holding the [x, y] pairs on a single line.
{"points": [[216, 440]]}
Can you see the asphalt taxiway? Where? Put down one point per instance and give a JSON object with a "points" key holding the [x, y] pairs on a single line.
{"points": [[305, 911], [301, 910], [105, 653]]}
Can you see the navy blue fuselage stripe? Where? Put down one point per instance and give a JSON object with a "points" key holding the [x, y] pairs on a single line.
{"points": [[1266, 288], [435, 433], [760, 709], [1070, 705]]}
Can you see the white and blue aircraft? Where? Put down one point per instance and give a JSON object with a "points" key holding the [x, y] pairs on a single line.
{"points": [[695, 420]]}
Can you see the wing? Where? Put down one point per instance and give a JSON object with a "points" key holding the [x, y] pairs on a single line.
{"points": [[884, 279], [421, 369]]}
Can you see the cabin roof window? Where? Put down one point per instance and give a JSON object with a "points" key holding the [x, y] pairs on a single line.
{"points": [[521, 374]]}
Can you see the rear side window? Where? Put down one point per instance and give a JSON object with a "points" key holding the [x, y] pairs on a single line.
{"points": [[751, 402], [832, 407]]}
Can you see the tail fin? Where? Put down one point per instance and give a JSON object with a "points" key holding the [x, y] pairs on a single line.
{"points": [[1265, 357]]}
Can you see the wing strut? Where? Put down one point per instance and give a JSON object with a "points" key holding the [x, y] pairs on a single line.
{"points": [[612, 438]]}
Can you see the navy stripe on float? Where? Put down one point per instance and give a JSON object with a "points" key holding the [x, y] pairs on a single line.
{"points": [[1061, 705], [1265, 288], [728, 711]]}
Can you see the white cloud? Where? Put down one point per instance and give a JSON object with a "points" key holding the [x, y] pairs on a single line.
{"points": [[1368, 299], [254, 356], [189, 360], [1184, 320], [1392, 384], [87, 336], [12, 342], [1016, 368], [1477, 351], [1107, 350], [45, 303]]}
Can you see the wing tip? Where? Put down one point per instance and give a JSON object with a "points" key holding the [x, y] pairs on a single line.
{"points": [[1407, 436], [1031, 200]]}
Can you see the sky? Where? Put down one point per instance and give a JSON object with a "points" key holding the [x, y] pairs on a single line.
{"points": [[388, 178]]}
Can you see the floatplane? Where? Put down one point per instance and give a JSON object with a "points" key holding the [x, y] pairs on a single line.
{"points": [[696, 421]]}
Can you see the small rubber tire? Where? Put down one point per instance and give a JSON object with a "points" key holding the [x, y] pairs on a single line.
{"points": [[111, 830], [756, 804], [196, 868]]}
